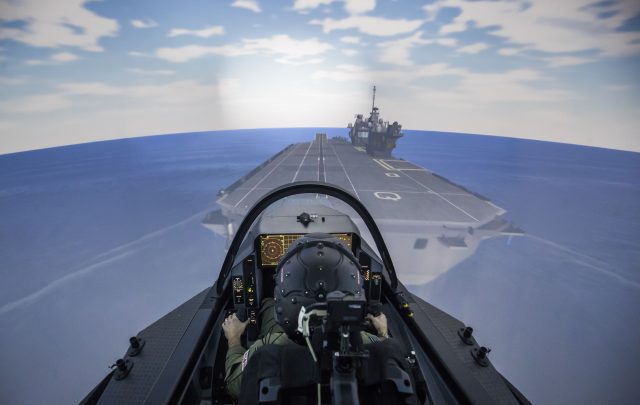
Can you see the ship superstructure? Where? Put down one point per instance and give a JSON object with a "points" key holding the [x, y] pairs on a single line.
{"points": [[377, 136]]}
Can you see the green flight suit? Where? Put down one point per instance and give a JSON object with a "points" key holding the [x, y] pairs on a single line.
{"points": [[270, 333]]}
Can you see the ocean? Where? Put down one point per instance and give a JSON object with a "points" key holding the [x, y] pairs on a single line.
{"points": [[99, 240]]}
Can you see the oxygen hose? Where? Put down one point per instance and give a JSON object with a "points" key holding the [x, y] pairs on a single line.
{"points": [[303, 326]]}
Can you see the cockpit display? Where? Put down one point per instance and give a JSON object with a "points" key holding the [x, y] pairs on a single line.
{"points": [[272, 247]]}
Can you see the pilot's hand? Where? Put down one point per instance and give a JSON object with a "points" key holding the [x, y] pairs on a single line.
{"points": [[380, 323], [233, 329]]}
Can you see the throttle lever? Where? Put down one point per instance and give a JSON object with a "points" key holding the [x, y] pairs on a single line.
{"points": [[375, 309], [241, 315]]}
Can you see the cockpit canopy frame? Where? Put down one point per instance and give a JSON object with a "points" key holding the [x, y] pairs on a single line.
{"points": [[307, 187]]}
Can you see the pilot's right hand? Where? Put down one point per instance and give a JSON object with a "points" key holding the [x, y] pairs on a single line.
{"points": [[380, 323], [233, 329]]}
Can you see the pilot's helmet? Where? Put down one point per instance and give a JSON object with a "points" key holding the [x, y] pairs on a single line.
{"points": [[314, 265]]}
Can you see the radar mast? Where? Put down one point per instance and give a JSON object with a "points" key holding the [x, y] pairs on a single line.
{"points": [[373, 104]]}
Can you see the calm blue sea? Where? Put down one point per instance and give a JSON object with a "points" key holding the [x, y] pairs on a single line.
{"points": [[99, 240]]}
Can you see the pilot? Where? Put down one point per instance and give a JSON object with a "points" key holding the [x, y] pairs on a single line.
{"points": [[314, 265]]}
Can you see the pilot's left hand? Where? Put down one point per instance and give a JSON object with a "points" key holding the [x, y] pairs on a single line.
{"points": [[233, 329]]}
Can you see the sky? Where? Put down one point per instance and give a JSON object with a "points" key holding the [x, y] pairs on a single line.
{"points": [[74, 71]]}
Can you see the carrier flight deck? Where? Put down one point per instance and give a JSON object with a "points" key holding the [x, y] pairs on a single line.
{"points": [[430, 222], [390, 188]]}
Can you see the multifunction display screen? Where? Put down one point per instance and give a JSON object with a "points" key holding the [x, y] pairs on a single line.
{"points": [[272, 247]]}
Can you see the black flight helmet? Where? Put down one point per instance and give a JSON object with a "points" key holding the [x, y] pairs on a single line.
{"points": [[313, 266]]}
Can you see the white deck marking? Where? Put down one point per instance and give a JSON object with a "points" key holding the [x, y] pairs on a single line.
{"points": [[345, 172], [390, 191], [267, 175], [302, 161], [387, 195], [384, 165], [324, 166], [439, 195], [319, 146]]}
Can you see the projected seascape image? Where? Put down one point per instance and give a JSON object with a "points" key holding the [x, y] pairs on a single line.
{"points": [[90, 276], [494, 143]]}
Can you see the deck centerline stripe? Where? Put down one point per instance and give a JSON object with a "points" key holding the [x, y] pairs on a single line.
{"points": [[302, 161], [268, 174], [319, 155], [345, 171], [324, 166]]}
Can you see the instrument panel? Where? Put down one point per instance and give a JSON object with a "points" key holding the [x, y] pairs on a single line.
{"points": [[273, 247]]}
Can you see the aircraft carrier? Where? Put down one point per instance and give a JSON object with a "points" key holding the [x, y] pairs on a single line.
{"points": [[430, 223]]}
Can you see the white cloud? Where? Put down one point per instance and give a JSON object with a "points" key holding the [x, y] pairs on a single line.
{"points": [[350, 40], [148, 23], [40, 103], [203, 33], [473, 48], [561, 61], [351, 6], [509, 51], [287, 47], [121, 111], [56, 24], [377, 26], [190, 52], [137, 54], [12, 81], [446, 41], [350, 68], [520, 85], [549, 26], [55, 59], [313, 61], [283, 46], [359, 6], [64, 57], [397, 52], [247, 4], [471, 88], [145, 72], [350, 52], [89, 89], [305, 5], [176, 92], [405, 76]]}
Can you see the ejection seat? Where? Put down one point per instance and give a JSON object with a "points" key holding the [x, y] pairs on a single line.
{"points": [[287, 374]]}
